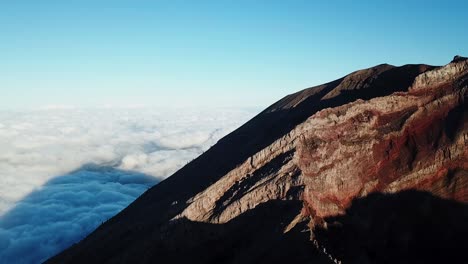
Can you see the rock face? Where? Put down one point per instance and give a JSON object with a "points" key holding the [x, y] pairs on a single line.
{"points": [[408, 140], [313, 171]]}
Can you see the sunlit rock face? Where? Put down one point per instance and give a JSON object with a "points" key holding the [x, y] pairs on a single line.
{"points": [[270, 189], [408, 140]]}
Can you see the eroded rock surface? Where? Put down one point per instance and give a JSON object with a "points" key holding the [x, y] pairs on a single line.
{"points": [[408, 140]]}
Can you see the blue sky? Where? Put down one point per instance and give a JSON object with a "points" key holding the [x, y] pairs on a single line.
{"points": [[209, 53]]}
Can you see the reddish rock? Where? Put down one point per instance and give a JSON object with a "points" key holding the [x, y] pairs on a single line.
{"points": [[408, 140]]}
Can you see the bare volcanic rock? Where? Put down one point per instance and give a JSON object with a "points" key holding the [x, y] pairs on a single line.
{"points": [[370, 168], [408, 140]]}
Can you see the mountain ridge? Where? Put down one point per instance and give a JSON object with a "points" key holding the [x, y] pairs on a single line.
{"points": [[315, 151]]}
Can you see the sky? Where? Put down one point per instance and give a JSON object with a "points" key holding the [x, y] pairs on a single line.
{"points": [[99, 100], [209, 53]]}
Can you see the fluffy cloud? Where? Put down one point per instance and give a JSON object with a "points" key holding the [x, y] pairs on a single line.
{"points": [[50, 197]]}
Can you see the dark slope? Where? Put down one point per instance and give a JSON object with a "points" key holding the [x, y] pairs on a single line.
{"points": [[406, 227], [142, 232]]}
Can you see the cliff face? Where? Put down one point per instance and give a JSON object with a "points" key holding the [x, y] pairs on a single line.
{"points": [[272, 190], [408, 140]]}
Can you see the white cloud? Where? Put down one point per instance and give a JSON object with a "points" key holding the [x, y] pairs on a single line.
{"points": [[50, 197], [57, 107]]}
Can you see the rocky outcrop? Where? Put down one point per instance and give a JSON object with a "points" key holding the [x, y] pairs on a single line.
{"points": [[387, 144], [408, 140], [272, 190]]}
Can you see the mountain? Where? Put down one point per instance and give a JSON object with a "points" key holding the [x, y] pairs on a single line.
{"points": [[370, 168]]}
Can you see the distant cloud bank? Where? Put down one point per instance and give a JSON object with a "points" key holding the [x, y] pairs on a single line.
{"points": [[63, 171]]}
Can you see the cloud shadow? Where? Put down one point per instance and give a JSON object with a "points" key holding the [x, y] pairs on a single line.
{"points": [[66, 209]]}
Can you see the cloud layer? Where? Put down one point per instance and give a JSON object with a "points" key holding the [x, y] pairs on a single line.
{"points": [[64, 210], [130, 149]]}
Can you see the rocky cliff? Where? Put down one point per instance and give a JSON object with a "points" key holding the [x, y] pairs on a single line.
{"points": [[359, 157]]}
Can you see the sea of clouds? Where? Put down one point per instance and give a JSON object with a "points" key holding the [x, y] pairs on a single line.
{"points": [[65, 171]]}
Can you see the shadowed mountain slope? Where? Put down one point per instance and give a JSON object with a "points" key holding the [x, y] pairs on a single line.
{"points": [[405, 227], [260, 192]]}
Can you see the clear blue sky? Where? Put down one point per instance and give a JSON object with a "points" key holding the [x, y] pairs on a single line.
{"points": [[209, 53]]}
